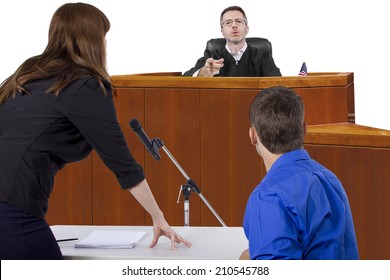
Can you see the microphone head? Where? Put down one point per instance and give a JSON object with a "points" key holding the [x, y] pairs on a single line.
{"points": [[135, 125]]}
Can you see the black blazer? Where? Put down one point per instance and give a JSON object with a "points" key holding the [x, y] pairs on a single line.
{"points": [[257, 60], [40, 133]]}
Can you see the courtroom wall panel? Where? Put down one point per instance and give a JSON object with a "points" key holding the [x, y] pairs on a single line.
{"points": [[325, 105], [381, 171], [72, 199]]}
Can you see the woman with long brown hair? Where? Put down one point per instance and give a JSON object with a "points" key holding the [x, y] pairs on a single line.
{"points": [[54, 110]]}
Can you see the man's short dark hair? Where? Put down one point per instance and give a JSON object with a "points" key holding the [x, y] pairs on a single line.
{"points": [[233, 8], [277, 114]]}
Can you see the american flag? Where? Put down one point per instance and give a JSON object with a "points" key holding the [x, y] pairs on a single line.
{"points": [[303, 71]]}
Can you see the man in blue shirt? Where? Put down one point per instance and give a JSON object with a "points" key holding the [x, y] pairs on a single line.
{"points": [[300, 209]]}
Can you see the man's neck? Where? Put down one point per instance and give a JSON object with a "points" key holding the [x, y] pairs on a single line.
{"points": [[269, 159]]}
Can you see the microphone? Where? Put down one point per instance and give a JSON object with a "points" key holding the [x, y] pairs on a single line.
{"points": [[152, 149]]}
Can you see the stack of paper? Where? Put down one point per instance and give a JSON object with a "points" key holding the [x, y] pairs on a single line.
{"points": [[104, 239]]}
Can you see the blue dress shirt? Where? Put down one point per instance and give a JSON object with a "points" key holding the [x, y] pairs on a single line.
{"points": [[299, 211]]}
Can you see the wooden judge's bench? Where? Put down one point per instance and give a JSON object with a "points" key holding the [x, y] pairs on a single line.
{"points": [[204, 124]]}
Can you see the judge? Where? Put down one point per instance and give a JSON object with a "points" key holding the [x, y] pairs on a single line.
{"points": [[236, 58]]}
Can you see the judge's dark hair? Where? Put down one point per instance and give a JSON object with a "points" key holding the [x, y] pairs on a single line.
{"points": [[277, 114], [233, 8], [76, 49]]}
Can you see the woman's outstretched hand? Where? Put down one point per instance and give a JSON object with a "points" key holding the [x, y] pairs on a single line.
{"points": [[161, 228]]}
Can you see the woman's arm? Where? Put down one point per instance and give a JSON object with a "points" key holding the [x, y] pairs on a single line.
{"points": [[144, 196]]}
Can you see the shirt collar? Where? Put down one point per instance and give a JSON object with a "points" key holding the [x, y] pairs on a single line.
{"points": [[238, 55], [289, 157]]}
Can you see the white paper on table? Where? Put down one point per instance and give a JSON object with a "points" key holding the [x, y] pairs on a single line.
{"points": [[104, 239]]}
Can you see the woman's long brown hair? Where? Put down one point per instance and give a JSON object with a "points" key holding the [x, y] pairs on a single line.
{"points": [[76, 48]]}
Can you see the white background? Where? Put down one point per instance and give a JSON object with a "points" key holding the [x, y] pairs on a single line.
{"points": [[170, 35]]}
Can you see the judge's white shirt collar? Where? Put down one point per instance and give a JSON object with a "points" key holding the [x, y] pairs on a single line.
{"points": [[237, 56]]}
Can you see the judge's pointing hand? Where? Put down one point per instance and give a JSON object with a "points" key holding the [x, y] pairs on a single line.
{"points": [[211, 67]]}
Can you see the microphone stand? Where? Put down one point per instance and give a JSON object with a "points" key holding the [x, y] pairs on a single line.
{"points": [[187, 188]]}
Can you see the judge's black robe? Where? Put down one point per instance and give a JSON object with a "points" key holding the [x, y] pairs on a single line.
{"points": [[253, 63]]}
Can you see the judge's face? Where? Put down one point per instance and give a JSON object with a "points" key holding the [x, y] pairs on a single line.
{"points": [[234, 27]]}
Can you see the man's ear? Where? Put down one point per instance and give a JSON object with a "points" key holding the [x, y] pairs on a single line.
{"points": [[253, 135]]}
